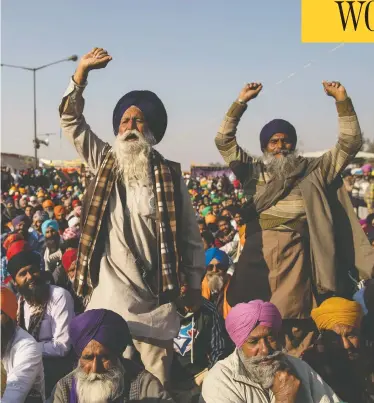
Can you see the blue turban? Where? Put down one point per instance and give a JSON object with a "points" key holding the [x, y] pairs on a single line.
{"points": [[152, 108], [49, 223], [277, 126], [215, 253], [106, 327]]}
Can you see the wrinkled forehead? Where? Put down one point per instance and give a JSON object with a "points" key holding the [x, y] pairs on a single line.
{"points": [[132, 112], [279, 136], [262, 331], [95, 348]]}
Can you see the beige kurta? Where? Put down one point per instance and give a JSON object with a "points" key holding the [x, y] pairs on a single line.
{"points": [[121, 288]]}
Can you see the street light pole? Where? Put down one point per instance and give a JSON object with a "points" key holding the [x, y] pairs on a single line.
{"points": [[73, 58], [35, 132]]}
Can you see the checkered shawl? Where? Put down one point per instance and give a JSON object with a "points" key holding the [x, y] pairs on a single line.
{"points": [[164, 190]]}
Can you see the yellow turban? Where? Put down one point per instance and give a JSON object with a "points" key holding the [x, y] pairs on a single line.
{"points": [[210, 219], [335, 311]]}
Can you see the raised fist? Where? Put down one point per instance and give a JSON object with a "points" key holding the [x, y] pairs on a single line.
{"points": [[98, 58], [250, 91], [335, 89]]}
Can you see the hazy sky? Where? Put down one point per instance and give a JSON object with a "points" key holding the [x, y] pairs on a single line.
{"points": [[195, 55]]}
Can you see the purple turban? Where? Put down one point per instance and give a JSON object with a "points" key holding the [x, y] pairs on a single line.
{"points": [[215, 253], [243, 318], [21, 218], [106, 327], [151, 106], [277, 126]]}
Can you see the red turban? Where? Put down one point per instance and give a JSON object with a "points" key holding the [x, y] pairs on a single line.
{"points": [[17, 247], [68, 258]]}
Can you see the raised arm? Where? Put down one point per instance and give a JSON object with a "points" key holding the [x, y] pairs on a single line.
{"points": [[89, 147], [350, 138], [226, 136]]}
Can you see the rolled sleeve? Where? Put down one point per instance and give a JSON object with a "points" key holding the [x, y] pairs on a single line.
{"points": [[226, 137], [349, 142], [74, 126]]}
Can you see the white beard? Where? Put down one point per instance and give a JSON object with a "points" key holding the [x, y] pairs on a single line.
{"points": [[280, 167], [100, 388], [215, 282], [263, 373], [132, 158]]}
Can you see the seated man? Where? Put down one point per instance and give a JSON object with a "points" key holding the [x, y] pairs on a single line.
{"points": [[21, 356], [258, 371], [216, 280], [337, 355], [226, 232], [201, 342], [99, 338], [45, 311], [69, 261]]}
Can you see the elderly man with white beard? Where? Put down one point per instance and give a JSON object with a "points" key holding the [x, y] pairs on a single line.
{"points": [[140, 252], [258, 371], [99, 338], [303, 240]]}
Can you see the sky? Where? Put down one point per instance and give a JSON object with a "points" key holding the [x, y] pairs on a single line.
{"points": [[196, 56]]}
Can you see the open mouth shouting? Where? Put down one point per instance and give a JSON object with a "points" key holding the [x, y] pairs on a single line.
{"points": [[132, 137]]}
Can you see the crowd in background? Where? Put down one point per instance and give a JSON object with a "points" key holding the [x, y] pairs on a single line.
{"points": [[40, 213]]}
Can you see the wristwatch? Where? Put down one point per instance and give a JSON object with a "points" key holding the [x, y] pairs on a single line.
{"points": [[240, 101]]}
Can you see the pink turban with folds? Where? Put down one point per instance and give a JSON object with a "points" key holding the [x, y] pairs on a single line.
{"points": [[243, 318]]}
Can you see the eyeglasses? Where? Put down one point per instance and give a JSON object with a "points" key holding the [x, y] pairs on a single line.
{"points": [[218, 267]]}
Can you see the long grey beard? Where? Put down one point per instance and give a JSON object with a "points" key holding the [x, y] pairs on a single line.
{"points": [[280, 167], [132, 159], [260, 372], [100, 388], [215, 282]]}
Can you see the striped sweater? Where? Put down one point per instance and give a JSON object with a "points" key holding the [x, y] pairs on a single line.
{"points": [[290, 211]]}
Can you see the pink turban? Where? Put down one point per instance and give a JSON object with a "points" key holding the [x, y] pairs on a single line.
{"points": [[71, 233], [243, 318]]}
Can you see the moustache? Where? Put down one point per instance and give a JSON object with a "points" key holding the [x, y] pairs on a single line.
{"points": [[282, 152]]}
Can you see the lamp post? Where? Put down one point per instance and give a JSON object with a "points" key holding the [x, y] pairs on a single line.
{"points": [[72, 58]]}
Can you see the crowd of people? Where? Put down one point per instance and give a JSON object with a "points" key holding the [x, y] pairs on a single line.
{"points": [[141, 283]]}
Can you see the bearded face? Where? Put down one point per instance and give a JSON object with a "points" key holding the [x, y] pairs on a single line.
{"points": [[32, 287], [97, 388], [262, 370], [132, 147], [216, 280], [281, 164], [132, 151]]}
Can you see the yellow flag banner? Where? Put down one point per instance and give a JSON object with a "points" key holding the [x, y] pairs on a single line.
{"points": [[324, 21]]}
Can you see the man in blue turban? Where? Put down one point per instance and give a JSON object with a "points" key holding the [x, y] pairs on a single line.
{"points": [[99, 338], [302, 237], [216, 280], [140, 253]]}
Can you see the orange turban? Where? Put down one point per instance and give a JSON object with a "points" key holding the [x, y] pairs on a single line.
{"points": [[59, 210], [9, 303], [48, 203], [335, 311], [210, 219]]}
